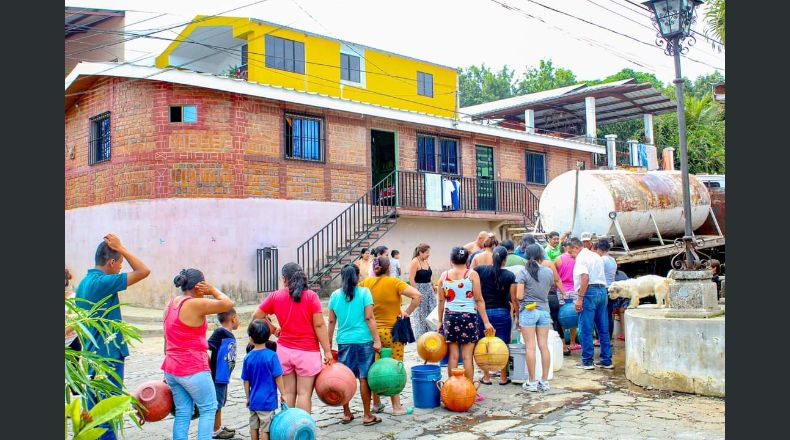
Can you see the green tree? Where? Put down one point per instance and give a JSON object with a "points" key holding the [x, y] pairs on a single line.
{"points": [[545, 77], [704, 84], [481, 84], [714, 22]]}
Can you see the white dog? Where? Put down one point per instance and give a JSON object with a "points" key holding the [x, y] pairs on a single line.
{"points": [[641, 287]]}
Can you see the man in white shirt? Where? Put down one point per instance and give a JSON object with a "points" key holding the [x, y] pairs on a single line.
{"points": [[589, 281]]}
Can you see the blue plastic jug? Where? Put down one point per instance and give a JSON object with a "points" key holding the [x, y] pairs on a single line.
{"points": [[292, 424]]}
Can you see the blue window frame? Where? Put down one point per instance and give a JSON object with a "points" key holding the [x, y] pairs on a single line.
{"points": [[425, 84], [433, 150], [304, 138], [100, 139], [349, 68], [536, 168], [183, 113]]}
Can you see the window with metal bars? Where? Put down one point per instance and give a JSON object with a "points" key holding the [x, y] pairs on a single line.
{"points": [[425, 84], [304, 138], [284, 54], [437, 154], [100, 139], [536, 168]]}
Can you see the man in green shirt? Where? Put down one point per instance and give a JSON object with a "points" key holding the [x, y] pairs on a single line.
{"points": [[554, 248], [512, 259]]}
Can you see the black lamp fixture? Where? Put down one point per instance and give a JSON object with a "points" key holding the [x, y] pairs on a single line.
{"points": [[673, 19]]}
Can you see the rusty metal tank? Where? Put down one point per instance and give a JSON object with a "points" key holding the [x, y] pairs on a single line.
{"points": [[633, 196]]}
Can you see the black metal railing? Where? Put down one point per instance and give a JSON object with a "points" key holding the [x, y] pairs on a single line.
{"points": [[366, 220], [337, 240], [266, 269], [469, 194]]}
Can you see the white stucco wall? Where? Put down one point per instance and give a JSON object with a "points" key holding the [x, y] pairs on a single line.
{"points": [[217, 236], [441, 234]]}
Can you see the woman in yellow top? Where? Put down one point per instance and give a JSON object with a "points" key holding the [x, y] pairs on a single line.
{"points": [[387, 294]]}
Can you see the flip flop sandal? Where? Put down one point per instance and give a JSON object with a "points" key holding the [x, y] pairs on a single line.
{"points": [[486, 383], [347, 421], [479, 398], [409, 410], [378, 409], [620, 337], [508, 381], [372, 422]]}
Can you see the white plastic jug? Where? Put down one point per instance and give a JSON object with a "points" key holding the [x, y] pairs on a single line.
{"points": [[555, 348]]}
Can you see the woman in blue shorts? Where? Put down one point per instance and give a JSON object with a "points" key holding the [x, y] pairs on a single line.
{"points": [[534, 318], [351, 310]]}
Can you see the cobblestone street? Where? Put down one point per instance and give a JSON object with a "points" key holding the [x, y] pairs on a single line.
{"points": [[597, 404]]}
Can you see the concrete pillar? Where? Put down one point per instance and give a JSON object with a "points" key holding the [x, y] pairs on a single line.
{"points": [[634, 150], [611, 151], [529, 120], [668, 159], [589, 109], [648, 122]]}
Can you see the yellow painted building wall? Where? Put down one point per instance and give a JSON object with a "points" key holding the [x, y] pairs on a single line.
{"points": [[390, 80]]}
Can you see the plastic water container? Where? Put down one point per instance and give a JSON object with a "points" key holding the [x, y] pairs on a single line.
{"points": [[555, 347], [426, 394], [517, 363]]}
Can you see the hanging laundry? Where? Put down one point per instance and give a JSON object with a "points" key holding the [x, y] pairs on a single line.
{"points": [[456, 195], [447, 193]]}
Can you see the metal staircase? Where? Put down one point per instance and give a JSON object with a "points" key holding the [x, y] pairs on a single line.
{"points": [[360, 225], [370, 217]]}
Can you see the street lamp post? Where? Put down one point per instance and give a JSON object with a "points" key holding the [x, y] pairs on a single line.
{"points": [[673, 19]]}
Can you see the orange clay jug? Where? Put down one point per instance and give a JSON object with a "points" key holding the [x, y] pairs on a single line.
{"points": [[458, 392], [335, 384], [431, 347], [491, 353]]}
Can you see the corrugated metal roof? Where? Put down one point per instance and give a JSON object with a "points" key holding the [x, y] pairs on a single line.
{"points": [[518, 101]]}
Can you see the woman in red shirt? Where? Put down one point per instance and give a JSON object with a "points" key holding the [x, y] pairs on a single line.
{"points": [[302, 330], [186, 364]]}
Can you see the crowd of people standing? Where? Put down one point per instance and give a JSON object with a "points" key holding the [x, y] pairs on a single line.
{"points": [[487, 287]]}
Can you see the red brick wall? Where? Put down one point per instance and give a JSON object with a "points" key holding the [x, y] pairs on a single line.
{"points": [[236, 148]]}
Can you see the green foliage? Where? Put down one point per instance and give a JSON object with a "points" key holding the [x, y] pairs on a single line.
{"points": [[714, 22], [87, 372], [481, 84], [545, 77]]}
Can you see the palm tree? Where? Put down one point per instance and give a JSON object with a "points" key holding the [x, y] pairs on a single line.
{"points": [[714, 22]]}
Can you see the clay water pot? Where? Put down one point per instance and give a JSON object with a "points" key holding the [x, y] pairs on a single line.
{"points": [[156, 398], [458, 393], [491, 353], [387, 377], [335, 384], [292, 424], [431, 347]]}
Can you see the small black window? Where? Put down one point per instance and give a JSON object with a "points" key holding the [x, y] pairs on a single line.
{"points": [[100, 141], [536, 168], [304, 138], [284, 54], [349, 68], [183, 113], [424, 84]]}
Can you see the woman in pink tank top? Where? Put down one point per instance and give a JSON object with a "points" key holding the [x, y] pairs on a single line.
{"points": [[186, 364], [565, 265]]}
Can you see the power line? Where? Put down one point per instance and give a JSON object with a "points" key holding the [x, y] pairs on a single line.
{"points": [[612, 30], [214, 47], [650, 15], [589, 41], [168, 28]]}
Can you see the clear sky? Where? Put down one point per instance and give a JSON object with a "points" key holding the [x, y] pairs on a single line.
{"points": [[450, 32]]}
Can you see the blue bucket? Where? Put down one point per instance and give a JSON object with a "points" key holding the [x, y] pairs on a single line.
{"points": [[567, 316], [443, 362], [425, 393]]}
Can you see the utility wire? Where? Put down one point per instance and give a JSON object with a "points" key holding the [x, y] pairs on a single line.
{"points": [[650, 15], [612, 30], [168, 28]]}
